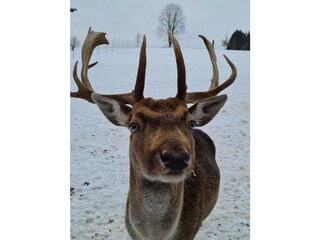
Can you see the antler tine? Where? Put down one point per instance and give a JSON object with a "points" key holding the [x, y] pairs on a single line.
{"points": [[194, 97], [137, 94], [139, 87], [231, 78], [213, 58], [181, 79], [82, 92], [85, 89], [92, 40]]}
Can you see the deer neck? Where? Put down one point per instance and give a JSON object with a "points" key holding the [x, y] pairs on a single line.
{"points": [[154, 207], [154, 197]]}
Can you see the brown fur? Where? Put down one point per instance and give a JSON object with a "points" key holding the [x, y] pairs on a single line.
{"points": [[168, 210]]}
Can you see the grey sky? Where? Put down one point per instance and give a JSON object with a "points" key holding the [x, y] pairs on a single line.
{"points": [[124, 18]]}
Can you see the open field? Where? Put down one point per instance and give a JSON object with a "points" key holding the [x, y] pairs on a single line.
{"points": [[99, 150]]}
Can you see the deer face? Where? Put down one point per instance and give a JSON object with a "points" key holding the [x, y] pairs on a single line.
{"points": [[161, 141]]}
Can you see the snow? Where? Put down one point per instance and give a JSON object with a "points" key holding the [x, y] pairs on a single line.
{"points": [[99, 149]]}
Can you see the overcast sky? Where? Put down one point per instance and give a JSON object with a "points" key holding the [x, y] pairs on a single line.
{"points": [[124, 18]]}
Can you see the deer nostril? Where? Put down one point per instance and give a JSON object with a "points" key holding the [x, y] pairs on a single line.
{"points": [[186, 158], [165, 158], [175, 161]]}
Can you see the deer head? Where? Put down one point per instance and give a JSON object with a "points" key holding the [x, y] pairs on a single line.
{"points": [[161, 142]]}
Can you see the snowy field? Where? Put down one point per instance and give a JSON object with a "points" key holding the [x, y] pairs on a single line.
{"points": [[99, 150]]}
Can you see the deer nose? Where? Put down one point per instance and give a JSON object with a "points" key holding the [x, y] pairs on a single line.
{"points": [[176, 162]]}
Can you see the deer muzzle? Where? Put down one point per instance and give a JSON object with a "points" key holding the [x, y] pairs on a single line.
{"points": [[174, 157]]}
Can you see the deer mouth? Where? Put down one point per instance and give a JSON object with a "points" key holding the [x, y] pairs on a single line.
{"points": [[175, 172], [175, 175]]}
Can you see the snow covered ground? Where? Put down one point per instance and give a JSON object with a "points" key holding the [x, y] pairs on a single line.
{"points": [[99, 150]]}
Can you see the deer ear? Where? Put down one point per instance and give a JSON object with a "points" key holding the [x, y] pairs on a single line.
{"points": [[116, 112], [205, 110]]}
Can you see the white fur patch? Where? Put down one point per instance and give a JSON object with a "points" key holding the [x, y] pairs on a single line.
{"points": [[111, 109], [118, 114], [198, 113]]}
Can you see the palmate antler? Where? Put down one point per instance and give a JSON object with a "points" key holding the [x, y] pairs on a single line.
{"points": [[95, 39], [85, 89]]}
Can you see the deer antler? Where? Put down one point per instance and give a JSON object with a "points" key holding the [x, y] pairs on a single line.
{"points": [[85, 89], [138, 89], [213, 58], [215, 88], [181, 81], [95, 39]]}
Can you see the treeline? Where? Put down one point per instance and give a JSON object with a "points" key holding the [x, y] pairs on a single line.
{"points": [[238, 41]]}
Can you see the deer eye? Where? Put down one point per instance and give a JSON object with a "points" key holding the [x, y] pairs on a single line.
{"points": [[192, 124], [134, 127]]}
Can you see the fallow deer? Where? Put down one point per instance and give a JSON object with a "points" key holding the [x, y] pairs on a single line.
{"points": [[174, 177]]}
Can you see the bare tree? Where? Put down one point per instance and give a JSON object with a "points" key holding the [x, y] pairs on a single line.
{"points": [[225, 41], [171, 19], [74, 42], [138, 38]]}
